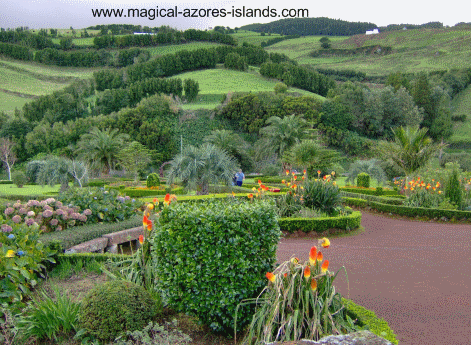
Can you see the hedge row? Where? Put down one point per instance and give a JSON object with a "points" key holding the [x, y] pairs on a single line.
{"points": [[79, 234], [369, 191], [6, 182], [357, 202], [321, 224], [368, 318], [15, 197], [382, 199], [86, 258], [420, 211], [138, 193]]}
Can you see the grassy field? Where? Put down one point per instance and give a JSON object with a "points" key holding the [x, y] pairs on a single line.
{"points": [[462, 105], [252, 37], [214, 83], [170, 49], [8, 102], [413, 51], [24, 83], [11, 189], [49, 71]]}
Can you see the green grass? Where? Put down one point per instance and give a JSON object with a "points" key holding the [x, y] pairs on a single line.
{"points": [[24, 83], [49, 71], [11, 189], [462, 105], [252, 37], [170, 49], [413, 51], [214, 83], [9, 102]]}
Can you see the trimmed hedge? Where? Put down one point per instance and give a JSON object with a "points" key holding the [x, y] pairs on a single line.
{"points": [[363, 180], [138, 193], [15, 197], [368, 318], [369, 191], [420, 211], [79, 234], [321, 224], [211, 256], [382, 199], [6, 182], [357, 202]]}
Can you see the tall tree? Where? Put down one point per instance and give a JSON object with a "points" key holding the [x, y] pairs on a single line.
{"points": [[101, 148], [134, 158], [7, 155], [199, 166]]}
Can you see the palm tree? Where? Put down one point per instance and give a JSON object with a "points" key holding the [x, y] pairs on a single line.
{"points": [[197, 167], [101, 148], [232, 143], [281, 134], [411, 148]]}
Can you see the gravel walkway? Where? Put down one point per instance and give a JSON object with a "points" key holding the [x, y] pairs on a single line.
{"points": [[415, 275]]}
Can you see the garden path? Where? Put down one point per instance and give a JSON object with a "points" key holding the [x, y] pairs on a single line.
{"points": [[415, 275]]}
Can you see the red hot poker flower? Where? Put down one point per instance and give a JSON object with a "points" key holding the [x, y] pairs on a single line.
{"points": [[141, 239], [320, 257], [313, 255], [307, 272], [270, 276], [313, 284], [325, 266]]}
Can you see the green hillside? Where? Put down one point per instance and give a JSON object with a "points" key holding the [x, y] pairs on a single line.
{"points": [[412, 51], [461, 106]]}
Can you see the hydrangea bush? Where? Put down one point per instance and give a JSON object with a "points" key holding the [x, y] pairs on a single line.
{"points": [[22, 259], [49, 215], [104, 205]]}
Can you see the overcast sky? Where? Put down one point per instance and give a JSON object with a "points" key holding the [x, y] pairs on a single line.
{"points": [[78, 13]]}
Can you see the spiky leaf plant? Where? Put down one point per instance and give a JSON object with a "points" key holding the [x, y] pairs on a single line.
{"points": [[300, 302]]}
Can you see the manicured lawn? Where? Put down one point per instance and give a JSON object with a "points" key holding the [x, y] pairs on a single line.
{"points": [[11, 189]]}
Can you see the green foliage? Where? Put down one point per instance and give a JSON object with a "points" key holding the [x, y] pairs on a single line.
{"points": [[363, 180], [114, 308], [202, 267], [300, 302], [155, 334], [369, 319], [153, 180], [321, 195], [287, 205], [236, 62], [33, 168], [423, 198], [46, 317], [453, 189], [280, 88], [320, 224], [358, 190], [19, 178], [191, 88], [371, 167], [103, 205], [431, 213], [23, 258], [134, 157], [138, 193]]}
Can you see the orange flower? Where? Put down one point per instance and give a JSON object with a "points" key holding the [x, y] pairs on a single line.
{"points": [[270, 276], [141, 239], [318, 172], [313, 284], [312, 255], [283, 181], [145, 220], [169, 198], [156, 201], [149, 225], [304, 171], [250, 196], [264, 187], [307, 272], [259, 182], [287, 172], [325, 266], [285, 275], [439, 192], [233, 194], [303, 178], [320, 256], [325, 242], [325, 177], [295, 177], [150, 206]]}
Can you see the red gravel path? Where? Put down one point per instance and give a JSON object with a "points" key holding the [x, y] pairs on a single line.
{"points": [[415, 275]]}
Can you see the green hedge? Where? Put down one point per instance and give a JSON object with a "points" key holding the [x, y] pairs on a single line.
{"points": [[357, 202], [211, 256], [420, 211], [382, 199], [138, 193], [368, 318], [86, 257], [15, 197], [79, 234], [321, 224], [369, 191], [6, 182]]}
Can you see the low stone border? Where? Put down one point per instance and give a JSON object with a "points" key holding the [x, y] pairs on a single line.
{"points": [[107, 243]]}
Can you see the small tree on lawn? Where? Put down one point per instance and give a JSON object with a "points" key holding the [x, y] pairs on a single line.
{"points": [[7, 155]]}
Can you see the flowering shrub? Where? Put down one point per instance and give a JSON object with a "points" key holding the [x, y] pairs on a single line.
{"points": [[103, 205], [300, 302], [49, 215], [21, 259]]}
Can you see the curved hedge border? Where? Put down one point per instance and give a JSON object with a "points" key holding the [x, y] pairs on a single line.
{"points": [[368, 318], [420, 211], [321, 224], [368, 198], [372, 191]]}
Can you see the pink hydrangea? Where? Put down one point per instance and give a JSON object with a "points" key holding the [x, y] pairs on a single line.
{"points": [[87, 212], [16, 219], [9, 210], [54, 222], [47, 214], [31, 214]]}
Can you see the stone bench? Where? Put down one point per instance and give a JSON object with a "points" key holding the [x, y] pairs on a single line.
{"points": [[108, 242]]}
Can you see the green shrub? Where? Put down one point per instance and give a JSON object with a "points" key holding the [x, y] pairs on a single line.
{"points": [[114, 308], [105, 205], [153, 180], [379, 191], [19, 178], [32, 169], [211, 256], [423, 198], [22, 259], [321, 195], [47, 317], [157, 334], [363, 180], [361, 190], [453, 189], [288, 204], [348, 222], [280, 88], [420, 211], [6, 182], [139, 193]]}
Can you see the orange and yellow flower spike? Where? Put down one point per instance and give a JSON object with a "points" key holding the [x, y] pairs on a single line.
{"points": [[141, 239], [149, 225], [312, 256], [287, 172], [325, 266], [270, 276], [320, 257], [313, 284], [250, 196], [145, 220], [307, 272]]}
